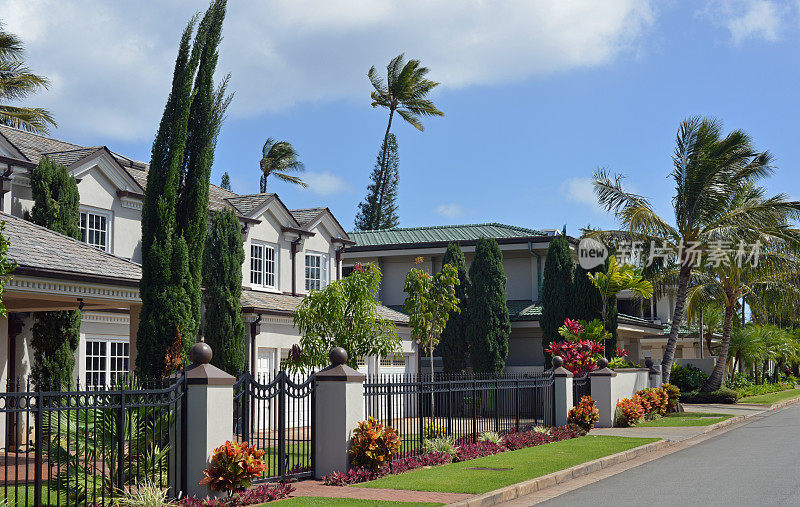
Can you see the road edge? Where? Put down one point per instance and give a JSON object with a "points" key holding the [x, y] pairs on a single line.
{"points": [[524, 488]]}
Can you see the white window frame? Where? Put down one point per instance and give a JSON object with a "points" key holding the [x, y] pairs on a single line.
{"points": [[324, 277], [111, 357], [109, 227], [263, 273]]}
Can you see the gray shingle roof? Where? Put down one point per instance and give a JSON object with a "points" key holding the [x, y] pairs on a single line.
{"points": [[247, 204], [287, 303], [305, 215], [34, 145], [67, 158], [440, 233], [35, 247]]}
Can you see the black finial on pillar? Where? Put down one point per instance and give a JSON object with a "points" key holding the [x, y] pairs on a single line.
{"points": [[337, 356]]}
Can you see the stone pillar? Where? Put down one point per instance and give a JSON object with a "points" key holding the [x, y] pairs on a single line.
{"points": [[338, 408], [603, 393], [654, 374], [209, 415], [563, 391]]}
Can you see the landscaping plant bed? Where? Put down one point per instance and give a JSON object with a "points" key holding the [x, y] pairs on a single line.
{"points": [[685, 419], [769, 399]]}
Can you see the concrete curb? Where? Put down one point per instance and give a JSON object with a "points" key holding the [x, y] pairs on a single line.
{"points": [[540, 483]]}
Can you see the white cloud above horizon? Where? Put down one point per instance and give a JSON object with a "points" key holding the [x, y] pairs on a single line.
{"points": [[110, 63], [451, 210], [579, 190], [749, 19], [325, 183]]}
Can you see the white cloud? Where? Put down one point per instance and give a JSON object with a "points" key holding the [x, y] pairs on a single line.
{"points": [[745, 19], [579, 190], [111, 62], [325, 183], [451, 210]]}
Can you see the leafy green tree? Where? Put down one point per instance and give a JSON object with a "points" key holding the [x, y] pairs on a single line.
{"points": [[379, 209], [405, 91], [707, 170], [556, 289], [222, 277], [279, 159], [55, 335], [430, 300], [344, 314], [453, 345], [18, 82], [226, 181], [182, 152], [487, 321]]}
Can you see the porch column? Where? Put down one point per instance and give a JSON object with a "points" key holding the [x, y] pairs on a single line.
{"points": [[563, 391], [133, 329], [603, 393]]}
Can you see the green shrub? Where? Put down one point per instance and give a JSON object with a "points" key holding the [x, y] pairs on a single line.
{"points": [[444, 445], [673, 395], [491, 437], [723, 395], [373, 444], [146, 494], [764, 389], [687, 378], [433, 430]]}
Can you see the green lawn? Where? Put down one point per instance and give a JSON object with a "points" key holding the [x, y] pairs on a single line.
{"points": [[685, 419], [769, 399], [318, 500], [523, 464]]}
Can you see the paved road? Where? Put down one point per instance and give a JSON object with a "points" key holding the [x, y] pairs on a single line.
{"points": [[755, 464]]}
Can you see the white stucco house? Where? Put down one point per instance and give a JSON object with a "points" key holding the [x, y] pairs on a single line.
{"points": [[524, 252], [288, 252]]}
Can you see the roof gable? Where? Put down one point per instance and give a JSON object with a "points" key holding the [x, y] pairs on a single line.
{"points": [[85, 159], [309, 218]]}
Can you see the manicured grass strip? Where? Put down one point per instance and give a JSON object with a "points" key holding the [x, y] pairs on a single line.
{"points": [[769, 399], [318, 500], [524, 464], [685, 419]]}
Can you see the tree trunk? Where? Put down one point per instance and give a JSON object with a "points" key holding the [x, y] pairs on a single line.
{"points": [[433, 414], [700, 333], [714, 382], [677, 316], [380, 182]]}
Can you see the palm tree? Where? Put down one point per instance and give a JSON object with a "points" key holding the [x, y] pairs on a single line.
{"points": [[746, 348], [405, 92], [712, 317], [16, 83], [616, 279], [707, 168], [278, 158]]}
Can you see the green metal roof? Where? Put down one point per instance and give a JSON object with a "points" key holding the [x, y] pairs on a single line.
{"points": [[440, 233]]}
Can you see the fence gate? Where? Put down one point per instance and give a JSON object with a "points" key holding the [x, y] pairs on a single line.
{"points": [[581, 386], [276, 415]]}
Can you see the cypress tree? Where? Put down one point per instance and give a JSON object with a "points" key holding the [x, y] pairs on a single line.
{"points": [[453, 345], [222, 277], [487, 321], [55, 335], [556, 289], [378, 210], [172, 243], [226, 181]]}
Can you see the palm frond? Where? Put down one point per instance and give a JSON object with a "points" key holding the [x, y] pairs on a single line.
{"points": [[30, 119]]}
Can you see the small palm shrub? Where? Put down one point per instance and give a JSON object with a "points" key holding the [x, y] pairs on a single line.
{"points": [[584, 414], [373, 444], [233, 466], [432, 430], [445, 445], [491, 437]]}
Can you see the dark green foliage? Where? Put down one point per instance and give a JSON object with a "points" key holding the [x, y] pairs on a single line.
{"points": [[178, 179], [378, 210], [487, 322], [453, 345], [226, 181], [222, 277], [723, 395], [687, 378], [556, 290], [55, 335]]}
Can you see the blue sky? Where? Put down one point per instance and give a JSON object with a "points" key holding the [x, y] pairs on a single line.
{"points": [[535, 100]]}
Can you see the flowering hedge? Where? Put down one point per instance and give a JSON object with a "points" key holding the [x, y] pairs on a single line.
{"points": [[233, 466], [650, 403], [584, 414], [254, 496]]}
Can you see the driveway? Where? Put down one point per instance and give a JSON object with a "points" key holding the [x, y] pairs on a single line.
{"points": [[755, 464]]}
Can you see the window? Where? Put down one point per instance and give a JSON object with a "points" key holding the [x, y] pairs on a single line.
{"points": [[394, 361], [316, 271], [106, 362], [263, 266], [95, 229]]}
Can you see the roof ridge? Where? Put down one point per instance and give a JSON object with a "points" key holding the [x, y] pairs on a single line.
{"points": [[42, 136], [5, 215], [309, 209], [452, 226], [253, 195], [76, 149]]}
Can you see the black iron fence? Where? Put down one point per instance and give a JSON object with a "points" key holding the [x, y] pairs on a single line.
{"points": [[90, 446], [459, 406], [275, 415], [581, 386]]}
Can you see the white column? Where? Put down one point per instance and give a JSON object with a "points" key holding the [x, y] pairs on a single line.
{"points": [[563, 391], [603, 394]]}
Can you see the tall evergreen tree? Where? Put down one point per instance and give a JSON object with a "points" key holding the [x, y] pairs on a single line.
{"points": [[586, 301], [222, 277], [556, 289], [488, 325], [379, 209], [226, 181], [178, 178], [453, 345], [55, 335]]}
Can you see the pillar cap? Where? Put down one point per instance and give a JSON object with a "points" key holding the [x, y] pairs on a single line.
{"points": [[208, 375]]}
